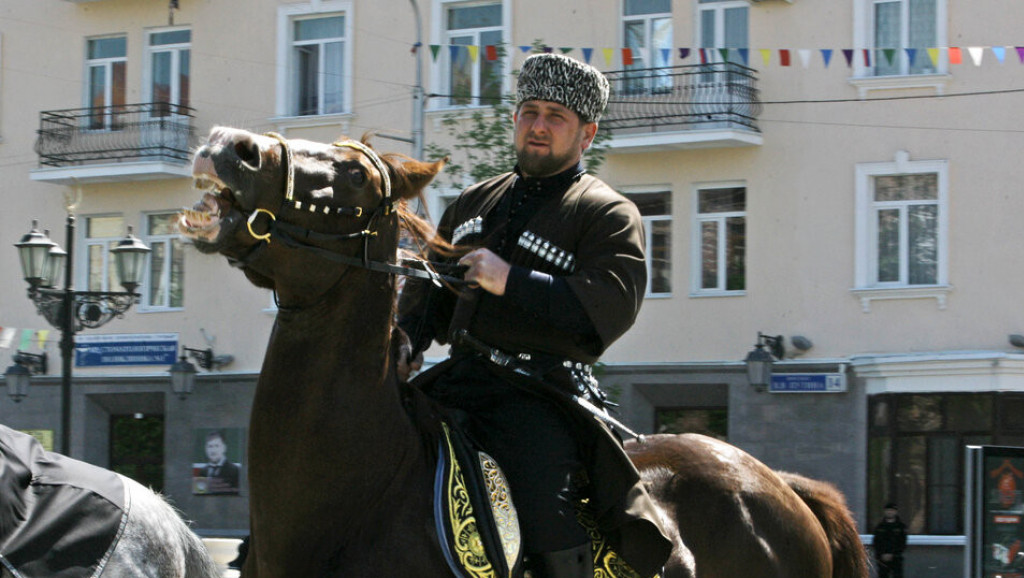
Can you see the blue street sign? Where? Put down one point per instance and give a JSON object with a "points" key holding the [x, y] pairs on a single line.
{"points": [[126, 349], [808, 383]]}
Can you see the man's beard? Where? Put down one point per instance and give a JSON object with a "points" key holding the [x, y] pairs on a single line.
{"points": [[536, 165]]}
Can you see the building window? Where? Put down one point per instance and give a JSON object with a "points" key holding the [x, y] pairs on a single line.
{"points": [[106, 62], [163, 287], [656, 212], [724, 24], [897, 35], [647, 32], [720, 239], [901, 24], [315, 56], [474, 38], [901, 224], [712, 422], [169, 70], [101, 235], [916, 448]]}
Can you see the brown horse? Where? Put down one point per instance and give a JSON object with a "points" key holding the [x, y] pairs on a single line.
{"points": [[339, 480]]}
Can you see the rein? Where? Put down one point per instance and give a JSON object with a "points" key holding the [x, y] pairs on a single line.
{"points": [[298, 237]]}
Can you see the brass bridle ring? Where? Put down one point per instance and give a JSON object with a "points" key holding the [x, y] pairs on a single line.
{"points": [[252, 217]]}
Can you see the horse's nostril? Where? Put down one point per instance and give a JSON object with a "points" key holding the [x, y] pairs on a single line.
{"points": [[249, 152]]}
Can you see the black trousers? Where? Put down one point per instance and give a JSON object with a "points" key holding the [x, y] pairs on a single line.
{"points": [[534, 443], [890, 569]]}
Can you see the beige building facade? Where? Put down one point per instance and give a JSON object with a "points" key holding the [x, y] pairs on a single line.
{"points": [[863, 206]]}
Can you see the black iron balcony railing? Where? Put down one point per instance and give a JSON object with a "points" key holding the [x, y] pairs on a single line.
{"points": [[704, 96], [155, 131]]}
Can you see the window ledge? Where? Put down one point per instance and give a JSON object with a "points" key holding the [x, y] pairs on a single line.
{"points": [[866, 84], [705, 294], [869, 294], [314, 120]]}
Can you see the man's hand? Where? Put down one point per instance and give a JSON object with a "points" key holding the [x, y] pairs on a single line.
{"points": [[405, 364], [487, 270]]}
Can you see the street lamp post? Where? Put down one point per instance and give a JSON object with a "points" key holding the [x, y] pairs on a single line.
{"points": [[68, 310]]}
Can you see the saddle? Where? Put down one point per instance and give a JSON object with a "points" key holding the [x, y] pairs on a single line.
{"points": [[474, 513]]}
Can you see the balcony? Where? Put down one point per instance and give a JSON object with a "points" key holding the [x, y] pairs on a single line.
{"points": [[131, 142], [683, 107]]}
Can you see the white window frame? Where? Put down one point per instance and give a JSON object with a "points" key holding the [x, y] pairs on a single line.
{"points": [[152, 241], [286, 105], [649, 236], [866, 233], [696, 242], [864, 77], [651, 56], [107, 64], [719, 8], [439, 35], [82, 252], [175, 51]]}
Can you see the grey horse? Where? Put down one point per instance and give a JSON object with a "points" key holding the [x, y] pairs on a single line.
{"points": [[63, 518]]}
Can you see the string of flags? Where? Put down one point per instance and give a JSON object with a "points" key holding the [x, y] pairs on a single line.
{"points": [[781, 56], [25, 338]]}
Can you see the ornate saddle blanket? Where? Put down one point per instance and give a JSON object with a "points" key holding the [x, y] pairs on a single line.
{"points": [[473, 512], [59, 517]]}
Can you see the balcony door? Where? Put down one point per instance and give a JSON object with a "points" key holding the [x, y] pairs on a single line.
{"points": [[724, 93], [106, 61], [169, 69]]}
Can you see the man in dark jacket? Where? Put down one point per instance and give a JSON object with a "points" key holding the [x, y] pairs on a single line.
{"points": [[558, 258], [889, 542]]}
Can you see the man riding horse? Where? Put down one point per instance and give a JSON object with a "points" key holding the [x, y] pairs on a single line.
{"points": [[557, 260]]}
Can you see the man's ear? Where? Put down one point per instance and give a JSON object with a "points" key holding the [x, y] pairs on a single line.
{"points": [[589, 132]]}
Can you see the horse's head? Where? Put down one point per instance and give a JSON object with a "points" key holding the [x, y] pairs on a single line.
{"points": [[332, 197]]}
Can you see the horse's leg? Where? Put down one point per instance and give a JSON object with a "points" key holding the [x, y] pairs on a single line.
{"points": [[156, 542]]}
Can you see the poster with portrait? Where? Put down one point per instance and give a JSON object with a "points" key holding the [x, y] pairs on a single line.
{"points": [[217, 461], [996, 519]]}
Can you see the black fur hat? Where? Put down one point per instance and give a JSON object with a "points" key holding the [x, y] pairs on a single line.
{"points": [[557, 78]]}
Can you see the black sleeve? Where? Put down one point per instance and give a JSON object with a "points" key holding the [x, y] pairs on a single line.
{"points": [[547, 297]]}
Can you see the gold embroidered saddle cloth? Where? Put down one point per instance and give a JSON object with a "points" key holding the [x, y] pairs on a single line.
{"points": [[476, 520]]}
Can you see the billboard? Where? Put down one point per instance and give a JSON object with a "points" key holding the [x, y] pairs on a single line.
{"points": [[995, 512]]}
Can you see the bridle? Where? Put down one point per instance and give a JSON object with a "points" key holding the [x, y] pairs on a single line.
{"points": [[298, 237]]}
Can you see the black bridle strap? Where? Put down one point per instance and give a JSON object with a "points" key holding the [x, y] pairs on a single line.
{"points": [[426, 272]]}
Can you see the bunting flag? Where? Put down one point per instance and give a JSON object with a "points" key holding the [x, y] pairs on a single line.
{"points": [[7, 337], [666, 56], [659, 57], [42, 334], [805, 57], [26, 338], [977, 53]]}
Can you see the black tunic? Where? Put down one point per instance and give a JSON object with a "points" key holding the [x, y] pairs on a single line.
{"points": [[578, 278]]}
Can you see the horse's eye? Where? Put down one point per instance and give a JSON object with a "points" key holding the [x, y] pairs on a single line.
{"points": [[357, 177]]}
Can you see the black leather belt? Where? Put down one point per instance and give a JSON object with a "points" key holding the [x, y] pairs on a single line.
{"points": [[578, 373]]}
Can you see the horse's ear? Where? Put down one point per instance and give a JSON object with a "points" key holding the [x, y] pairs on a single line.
{"points": [[409, 177]]}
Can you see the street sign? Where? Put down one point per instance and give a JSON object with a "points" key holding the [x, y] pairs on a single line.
{"points": [[126, 349], [808, 383]]}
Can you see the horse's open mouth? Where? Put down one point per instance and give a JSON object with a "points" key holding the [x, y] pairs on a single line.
{"points": [[203, 220]]}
